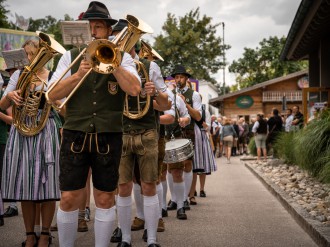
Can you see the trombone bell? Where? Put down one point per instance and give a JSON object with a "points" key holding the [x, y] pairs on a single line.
{"points": [[103, 55]]}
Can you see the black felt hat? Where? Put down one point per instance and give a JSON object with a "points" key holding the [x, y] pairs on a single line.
{"points": [[98, 11], [121, 24], [179, 69]]}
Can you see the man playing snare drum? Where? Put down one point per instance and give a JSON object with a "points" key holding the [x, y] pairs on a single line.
{"points": [[194, 105], [181, 118]]}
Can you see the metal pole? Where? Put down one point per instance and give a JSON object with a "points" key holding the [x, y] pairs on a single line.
{"points": [[224, 57]]}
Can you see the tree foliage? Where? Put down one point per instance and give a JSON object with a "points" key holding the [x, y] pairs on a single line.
{"points": [[191, 41], [4, 23], [263, 63]]}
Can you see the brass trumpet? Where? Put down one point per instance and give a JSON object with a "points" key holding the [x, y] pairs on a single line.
{"points": [[104, 55]]}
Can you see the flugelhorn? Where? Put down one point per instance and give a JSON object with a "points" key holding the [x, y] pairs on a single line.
{"points": [[26, 117], [103, 55]]}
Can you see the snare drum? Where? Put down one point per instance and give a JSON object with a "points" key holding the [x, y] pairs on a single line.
{"points": [[177, 150]]}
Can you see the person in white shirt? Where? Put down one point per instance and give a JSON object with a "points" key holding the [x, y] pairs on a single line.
{"points": [[288, 120]]}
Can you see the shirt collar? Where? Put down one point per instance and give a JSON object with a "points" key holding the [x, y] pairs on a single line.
{"points": [[182, 91]]}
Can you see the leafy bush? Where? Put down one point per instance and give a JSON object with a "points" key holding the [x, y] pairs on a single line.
{"points": [[284, 145], [252, 147], [309, 147], [312, 145]]}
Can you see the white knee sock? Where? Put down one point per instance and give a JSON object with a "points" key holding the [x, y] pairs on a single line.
{"points": [[116, 200], [138, 201], [124, 208], [164, 184], [159, 189], [103, 225], [188, 177], [170, 185], [67, 224], [151, 214], [178, 189]]}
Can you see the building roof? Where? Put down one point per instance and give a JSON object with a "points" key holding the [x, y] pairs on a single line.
{"points": [[310, 24], [259, 85], [210, 84]]}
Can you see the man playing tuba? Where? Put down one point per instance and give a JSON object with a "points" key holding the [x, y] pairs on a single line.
{"points": [[140, 143]]}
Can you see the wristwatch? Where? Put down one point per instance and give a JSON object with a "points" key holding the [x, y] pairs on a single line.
{"points": [[156, 93]]}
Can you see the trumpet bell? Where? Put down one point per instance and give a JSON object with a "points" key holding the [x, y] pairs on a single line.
{"points": [[103, 56]]}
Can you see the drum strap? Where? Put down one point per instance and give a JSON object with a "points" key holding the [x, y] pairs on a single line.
{"points": [[177, 115]]}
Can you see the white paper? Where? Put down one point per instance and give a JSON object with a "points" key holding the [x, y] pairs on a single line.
{"points": [[76, 32], [15, 58]]}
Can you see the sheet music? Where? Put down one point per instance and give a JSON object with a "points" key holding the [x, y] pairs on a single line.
{"points": [[15, 58], [76, 32]]}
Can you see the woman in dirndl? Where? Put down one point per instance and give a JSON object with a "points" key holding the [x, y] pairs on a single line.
{"points": [[31, 163], [204, 161]]}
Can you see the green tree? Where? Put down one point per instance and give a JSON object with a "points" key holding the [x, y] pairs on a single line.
{"points": [[191, 41], [263, 63], [4, 23]]}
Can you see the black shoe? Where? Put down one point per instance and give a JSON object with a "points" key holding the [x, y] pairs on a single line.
{"points": [[181, 214], [116, 236], [164, 213], [50, 237], [145, 235], [2, 222], [172, 205], [154, 245], [193, 200], [35, 239], [202, 193], [10, 212], [124, 244], [186, 205], [195, 194]]}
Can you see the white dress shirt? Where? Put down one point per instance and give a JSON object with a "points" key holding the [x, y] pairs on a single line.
{"points": [[197, 100], [180, 105]]}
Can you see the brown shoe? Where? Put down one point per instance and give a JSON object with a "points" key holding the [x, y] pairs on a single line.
{"points": [[82, 225], [161, 226], [53, 228], [138, 224]]}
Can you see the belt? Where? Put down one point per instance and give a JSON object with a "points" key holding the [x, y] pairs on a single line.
{"points": [[135, 132]]}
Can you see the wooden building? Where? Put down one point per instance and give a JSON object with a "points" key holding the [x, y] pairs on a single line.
{"points": [[309, 39], [281, 93]]}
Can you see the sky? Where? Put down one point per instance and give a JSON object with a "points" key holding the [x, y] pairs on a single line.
{"points": [[247, 22]]}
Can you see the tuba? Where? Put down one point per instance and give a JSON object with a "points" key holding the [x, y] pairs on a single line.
{"points": [[26, 117], [139, 113], [105, 55], [148, 52]]}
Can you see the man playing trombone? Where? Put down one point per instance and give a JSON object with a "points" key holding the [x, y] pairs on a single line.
{"points": [[92, 135]]}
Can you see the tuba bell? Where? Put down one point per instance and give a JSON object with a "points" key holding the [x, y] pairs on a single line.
{"points": [[26, 117], [105, 55], [148, 52]]}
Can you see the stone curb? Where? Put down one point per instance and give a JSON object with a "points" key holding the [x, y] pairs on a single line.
{"points": [[318, 232]]}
